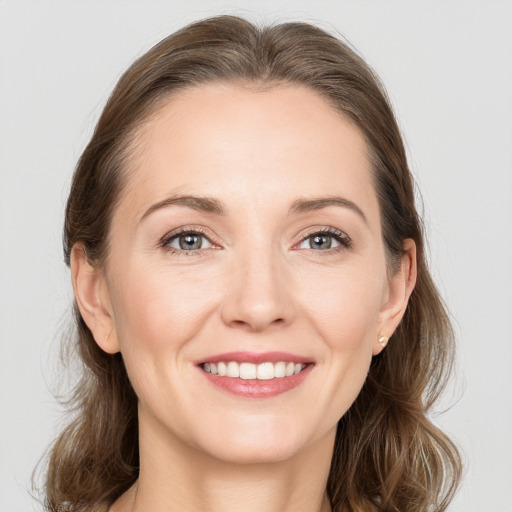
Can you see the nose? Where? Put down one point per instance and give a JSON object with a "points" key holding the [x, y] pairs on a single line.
{"points": [[258, 292]]}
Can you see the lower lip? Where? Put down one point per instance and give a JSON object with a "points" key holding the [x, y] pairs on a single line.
{"points": [[254, 388]]}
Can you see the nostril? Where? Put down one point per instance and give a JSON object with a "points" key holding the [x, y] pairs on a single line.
{"points": [[256, 325]]}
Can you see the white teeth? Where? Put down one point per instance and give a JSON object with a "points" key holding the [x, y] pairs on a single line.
{"points": [[221, 369], [280, 369], [246, 371], [232, 369], [265, 371]]}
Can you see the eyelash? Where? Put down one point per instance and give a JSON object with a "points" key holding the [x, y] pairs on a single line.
{"points": [[167, 239], [342, 238]]}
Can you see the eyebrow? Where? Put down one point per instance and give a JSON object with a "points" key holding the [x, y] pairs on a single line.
{"points": [[308, 205], [202, 204], [211, 205]]}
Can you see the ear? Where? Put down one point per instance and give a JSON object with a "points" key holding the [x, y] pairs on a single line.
{"points": [[395, 301], [93, 300]]}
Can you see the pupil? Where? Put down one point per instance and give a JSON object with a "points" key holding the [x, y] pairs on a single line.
{"points": [[188, 242], [321, 242]]}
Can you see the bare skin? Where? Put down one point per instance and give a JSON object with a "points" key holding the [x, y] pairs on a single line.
{"points": [[287, 256]]}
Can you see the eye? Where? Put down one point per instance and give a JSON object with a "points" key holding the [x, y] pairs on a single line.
{"points": [[325, 240], [187, 241]]}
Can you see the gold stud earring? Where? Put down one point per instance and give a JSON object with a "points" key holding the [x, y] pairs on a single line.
{"points": [[383, 340]]}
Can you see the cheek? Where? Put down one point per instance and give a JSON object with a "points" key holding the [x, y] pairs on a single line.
{"points": [[158, 310], [346, 308], [344, 315]]}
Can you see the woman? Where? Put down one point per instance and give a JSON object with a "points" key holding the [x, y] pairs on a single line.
{"points": [[243, 245]]}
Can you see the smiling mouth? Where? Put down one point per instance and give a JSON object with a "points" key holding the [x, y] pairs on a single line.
{"points": [[256, 374], [249, 371]]}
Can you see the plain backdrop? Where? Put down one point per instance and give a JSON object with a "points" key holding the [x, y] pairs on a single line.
{"points": [[448, 68]]}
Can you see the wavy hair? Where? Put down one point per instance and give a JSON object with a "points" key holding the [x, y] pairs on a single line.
{"points": [[388, 455]]}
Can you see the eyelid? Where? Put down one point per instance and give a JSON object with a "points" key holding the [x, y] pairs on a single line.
{"points": [[342, 237], [171, 235], [344, 240]]}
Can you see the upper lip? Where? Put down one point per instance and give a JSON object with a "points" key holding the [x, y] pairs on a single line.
{"points": [[255, 358]]}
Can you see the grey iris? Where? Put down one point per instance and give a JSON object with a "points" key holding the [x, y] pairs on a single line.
{"points": [[320, 242], [190, 242]]}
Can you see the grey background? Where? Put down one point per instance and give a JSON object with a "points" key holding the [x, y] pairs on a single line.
{"points": [[448, 68]]}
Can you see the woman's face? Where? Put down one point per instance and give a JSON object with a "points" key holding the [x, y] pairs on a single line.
{"points": [[248, 233]]}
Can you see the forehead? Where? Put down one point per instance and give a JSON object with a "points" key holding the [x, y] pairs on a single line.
{"points": [[232, 142]]}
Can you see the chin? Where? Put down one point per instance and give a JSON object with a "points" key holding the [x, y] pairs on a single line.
{"points": [[260, 444], [253, 453]]}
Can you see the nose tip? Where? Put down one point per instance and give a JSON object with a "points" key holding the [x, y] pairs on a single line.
{"points": [[257, 298]]}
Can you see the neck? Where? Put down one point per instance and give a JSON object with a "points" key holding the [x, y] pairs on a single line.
{"points": [[176, 477]]}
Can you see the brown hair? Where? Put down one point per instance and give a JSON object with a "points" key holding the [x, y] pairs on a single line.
{"points": [[388, 456]]}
